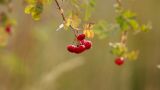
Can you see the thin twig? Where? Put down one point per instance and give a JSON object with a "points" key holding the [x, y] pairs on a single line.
{"points": [[61, 11], [64, 18], [124, 37], [124, 34]]}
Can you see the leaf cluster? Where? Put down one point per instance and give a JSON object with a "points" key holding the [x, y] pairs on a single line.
{"points": [[121, 50]]}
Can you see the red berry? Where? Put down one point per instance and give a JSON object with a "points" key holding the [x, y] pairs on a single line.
{"points": [[81, 37], [119, 61], [71, 48], [8, 29], [87, 44], [79, 49]]}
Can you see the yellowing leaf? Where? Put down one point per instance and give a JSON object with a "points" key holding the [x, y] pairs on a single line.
{"points": [[75, 21], [35, 16], [11, 22], [88, 30], [31, 1], [67, 23], [29, 9], [118, 49], [89, 34], [35, 10], [133, 55]]}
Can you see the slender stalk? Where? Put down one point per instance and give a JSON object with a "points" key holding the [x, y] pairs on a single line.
{"points": [[124, 37], [64, 18], [61, 11], [124, 34]]}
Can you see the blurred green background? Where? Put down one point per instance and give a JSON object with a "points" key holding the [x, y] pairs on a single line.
{"points": [[36, 57]]}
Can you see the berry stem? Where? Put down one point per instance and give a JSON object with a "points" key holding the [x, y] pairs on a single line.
{"points": [[64, 18], [124, 34], [124, 37]]}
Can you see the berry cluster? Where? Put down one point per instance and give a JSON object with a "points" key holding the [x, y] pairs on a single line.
{"points": [[119, 61], [81, 46]]}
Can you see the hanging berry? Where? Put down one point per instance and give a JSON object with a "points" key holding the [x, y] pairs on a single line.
{"points": [[81, 37], [73, 23], [119, 61], [125, 22], [87, 44], [81, 45]]}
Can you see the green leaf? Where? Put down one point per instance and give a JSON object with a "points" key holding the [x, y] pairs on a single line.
{"points": [[129, 15], [29, 9], [134, 24], [118, 49], [92, 3], [100, 29], [122, 23], [146, 28], [133, 55]]}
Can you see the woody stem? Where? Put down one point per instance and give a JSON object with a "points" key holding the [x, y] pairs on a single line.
{"points": [[61, 10], [63, 17], [124, 37]]}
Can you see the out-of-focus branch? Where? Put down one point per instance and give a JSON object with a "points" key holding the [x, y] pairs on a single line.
{"points": [[55, 73]]}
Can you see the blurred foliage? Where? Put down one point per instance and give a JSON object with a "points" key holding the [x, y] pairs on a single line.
{"points": [[35, 10], [72, 20], [127, 20], [5, 1], [103, 29], [13, 64], [89, 7], [6, 24], [121, 50]]}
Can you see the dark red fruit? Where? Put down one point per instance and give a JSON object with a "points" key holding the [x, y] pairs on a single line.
{"points": [[80, 49], [87, 44], [119, 61], [81, 37], [71, 48], [8, 29]]}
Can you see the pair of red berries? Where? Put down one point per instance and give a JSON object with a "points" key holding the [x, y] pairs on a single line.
{"points": [[119, 61], [81, 47]]}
